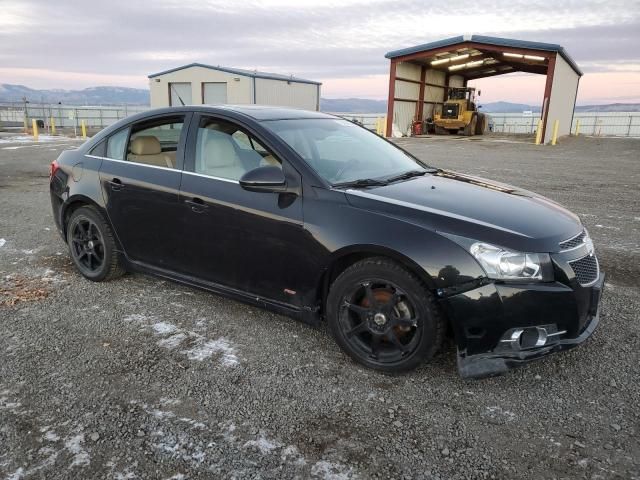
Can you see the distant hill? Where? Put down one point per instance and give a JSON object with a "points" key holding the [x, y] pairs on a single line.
{"points": [[87, 96], [140, 96], [507, 107], [352, 105]]}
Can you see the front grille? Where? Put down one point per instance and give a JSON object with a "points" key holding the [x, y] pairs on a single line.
{"points": [[573, 242], [450, 110], [586, 269]]}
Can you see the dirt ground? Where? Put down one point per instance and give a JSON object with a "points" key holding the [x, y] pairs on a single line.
{"points": [[144, 378]]}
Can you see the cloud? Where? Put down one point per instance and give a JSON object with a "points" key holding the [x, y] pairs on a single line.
{"points": [[326, 40]]}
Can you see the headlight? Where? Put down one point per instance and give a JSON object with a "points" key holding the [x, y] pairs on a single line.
{"points": [[503, 264]]}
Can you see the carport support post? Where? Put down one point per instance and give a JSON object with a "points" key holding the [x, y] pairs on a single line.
{"points": [[547, 94], [420, 105], [390, 100]]}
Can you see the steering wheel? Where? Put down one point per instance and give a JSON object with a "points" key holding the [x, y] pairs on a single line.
{"points": [[349, 164]]}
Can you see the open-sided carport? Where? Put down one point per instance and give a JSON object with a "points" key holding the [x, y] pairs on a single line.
{"points": [[420, 76]]}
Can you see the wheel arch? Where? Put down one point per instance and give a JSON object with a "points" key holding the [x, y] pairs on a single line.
{"points": [[345, 257], [78, 201]]}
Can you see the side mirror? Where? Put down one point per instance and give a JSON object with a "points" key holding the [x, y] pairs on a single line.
{"points": [[264, 179], [479, 92]]}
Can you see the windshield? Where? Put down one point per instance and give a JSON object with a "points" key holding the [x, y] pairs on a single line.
{"points": [[341, 152]]}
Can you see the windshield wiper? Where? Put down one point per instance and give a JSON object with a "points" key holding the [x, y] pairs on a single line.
{"points": [[407, 175], [361, 183]]}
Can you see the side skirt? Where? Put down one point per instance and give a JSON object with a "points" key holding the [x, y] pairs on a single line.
{"points": [[305, 315]]}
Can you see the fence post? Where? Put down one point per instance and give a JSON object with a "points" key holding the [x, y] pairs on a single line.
{"points": [[577, 127], [539, 132], [629, 127], [75, 122], [554, 138], [34, 125]]}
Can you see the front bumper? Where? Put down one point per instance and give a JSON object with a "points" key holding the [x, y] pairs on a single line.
{"points": [[481, 317]]}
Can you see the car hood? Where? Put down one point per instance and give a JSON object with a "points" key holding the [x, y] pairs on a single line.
{"points": [[473, 207]]}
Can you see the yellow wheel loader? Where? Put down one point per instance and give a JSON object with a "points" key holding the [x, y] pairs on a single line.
{"points": [[459, 112]]}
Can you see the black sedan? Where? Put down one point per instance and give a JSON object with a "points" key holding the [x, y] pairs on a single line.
{"points": [[315, 217]]}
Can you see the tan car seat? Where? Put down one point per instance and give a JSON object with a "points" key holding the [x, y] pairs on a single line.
{"points": [[217, 156], [147, 149]]}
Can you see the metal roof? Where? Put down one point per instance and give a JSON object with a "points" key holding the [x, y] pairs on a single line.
{"points": [[495, 41], [242, 72]]}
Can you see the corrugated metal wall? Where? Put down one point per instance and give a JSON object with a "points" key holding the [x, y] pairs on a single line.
{"points": [[563, 98], [284, 94]]}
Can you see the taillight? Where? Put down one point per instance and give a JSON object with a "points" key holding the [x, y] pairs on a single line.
{"points": [[53, 168]]}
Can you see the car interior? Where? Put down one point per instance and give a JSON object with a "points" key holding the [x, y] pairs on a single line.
{"points": [[156, 144], [224, 151]]}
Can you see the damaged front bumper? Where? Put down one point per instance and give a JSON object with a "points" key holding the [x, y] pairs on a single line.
{"points": [[501, 326]]}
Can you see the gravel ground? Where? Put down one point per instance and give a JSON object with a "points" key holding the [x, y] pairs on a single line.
{"points": [[143, 378]]}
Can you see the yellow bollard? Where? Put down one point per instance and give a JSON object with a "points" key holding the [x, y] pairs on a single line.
{"points": [[539, 132], [554, 138], [83, 125], [52, 123], [577, 127], [34, 125]]}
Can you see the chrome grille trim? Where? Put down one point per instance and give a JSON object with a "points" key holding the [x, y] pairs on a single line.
{"points": [[586, 270], [573, 242]]}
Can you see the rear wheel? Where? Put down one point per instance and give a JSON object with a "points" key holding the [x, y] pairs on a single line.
{"points": [[92, 246], [383, 316]]}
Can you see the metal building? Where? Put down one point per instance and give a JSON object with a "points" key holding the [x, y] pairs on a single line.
{"points": [[197, 84], [419, 76]]}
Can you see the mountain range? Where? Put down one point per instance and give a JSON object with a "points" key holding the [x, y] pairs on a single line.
{"points": [[87, 96], [140, 96]]}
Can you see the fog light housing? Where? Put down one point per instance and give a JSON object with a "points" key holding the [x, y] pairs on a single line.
{"points": [[526, 338]]}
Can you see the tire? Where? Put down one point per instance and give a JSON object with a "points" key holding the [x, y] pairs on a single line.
{"points": [[481, 126], [470, 129], [92, 246], [441, 131], [410, 330]]}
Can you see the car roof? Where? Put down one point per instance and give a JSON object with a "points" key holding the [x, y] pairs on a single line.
{"points": [[256, 112]]}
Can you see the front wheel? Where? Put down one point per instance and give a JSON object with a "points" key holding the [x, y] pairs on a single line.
{"points": [[383, 316], [92, 245]]}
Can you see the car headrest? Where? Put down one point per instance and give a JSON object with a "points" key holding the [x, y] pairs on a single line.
{"points": [[145, 145], [219, 150]]}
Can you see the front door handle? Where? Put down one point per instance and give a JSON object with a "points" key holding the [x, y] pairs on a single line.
{"points": [[197, 205], [116, 184]]}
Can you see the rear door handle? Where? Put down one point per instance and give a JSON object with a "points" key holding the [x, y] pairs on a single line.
{"points": [[116, 184], [197, 205]]}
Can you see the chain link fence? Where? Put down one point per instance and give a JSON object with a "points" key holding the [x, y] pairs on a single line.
{"points": [[64, 117], [617, 124]]}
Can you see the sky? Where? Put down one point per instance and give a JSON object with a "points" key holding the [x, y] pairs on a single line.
{"points": [[71, 44]]}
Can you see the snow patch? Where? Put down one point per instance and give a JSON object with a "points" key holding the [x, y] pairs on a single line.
{"points": [[207, 349], [2, 242], [330, 471], [162, 328], [200, 349], [80, 455], [51, 437], [173, 341], [263, 444], [17, 475]]}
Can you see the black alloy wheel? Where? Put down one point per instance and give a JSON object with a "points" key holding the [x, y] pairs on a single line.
{"points": [[87, 245], [383, 316], [92, 246]]}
